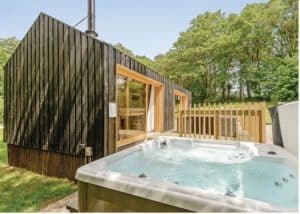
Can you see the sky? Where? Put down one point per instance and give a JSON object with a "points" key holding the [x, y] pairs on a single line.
{"points": [[147, 27]]}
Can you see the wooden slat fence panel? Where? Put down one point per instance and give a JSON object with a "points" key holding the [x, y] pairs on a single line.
{"points": [[243, 122]]}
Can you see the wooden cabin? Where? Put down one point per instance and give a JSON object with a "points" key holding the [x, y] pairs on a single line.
{"points": [[69, 96]]}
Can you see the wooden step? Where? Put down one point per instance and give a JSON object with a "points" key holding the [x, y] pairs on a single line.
{"points": [[72, 206]]}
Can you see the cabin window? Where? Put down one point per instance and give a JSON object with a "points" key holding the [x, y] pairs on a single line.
{"points": [[131, 102], [140, 106]]}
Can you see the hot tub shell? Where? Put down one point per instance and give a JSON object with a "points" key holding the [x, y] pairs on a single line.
{"points": [[104, 191]]}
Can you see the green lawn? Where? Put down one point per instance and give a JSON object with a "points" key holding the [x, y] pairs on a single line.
{"points": [[3, 150], [22, 190]]}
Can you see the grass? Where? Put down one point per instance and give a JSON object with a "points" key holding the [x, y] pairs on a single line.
{"points": [[3, 149], [1, 109], [22, 190]]}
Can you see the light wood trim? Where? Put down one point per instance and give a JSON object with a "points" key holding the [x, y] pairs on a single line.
{"points": [[242, 123], [263, 123], [184, 98], [225, 116], [179, 93], [199, 120], [220, 121], [209, 121], [179, 116], [158, 108], [147, 106], [127, 103], [184, 119], [131, 140], [190, 121], [231, 120], [124, 71], [216, 122], [249, 117], [158, 100], [249, 122], [204, 120], [194, 120]]}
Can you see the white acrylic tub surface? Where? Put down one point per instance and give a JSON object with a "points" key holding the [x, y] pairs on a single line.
{"points": [[192, 198]]}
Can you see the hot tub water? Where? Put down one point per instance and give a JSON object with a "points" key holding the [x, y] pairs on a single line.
{"points": [[231, 170]]}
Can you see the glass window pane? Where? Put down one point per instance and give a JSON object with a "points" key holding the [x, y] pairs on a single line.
{"points": [[131, 101]]}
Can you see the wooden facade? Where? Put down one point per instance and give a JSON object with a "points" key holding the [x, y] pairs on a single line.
{"points": [[58, 85]]}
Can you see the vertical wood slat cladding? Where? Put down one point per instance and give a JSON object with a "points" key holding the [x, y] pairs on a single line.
{"points": [[66, 105], [56, 48], [36, 160], [72, 93], [78, 93], [58, 85]]}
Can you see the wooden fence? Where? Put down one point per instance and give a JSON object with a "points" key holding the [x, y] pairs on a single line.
{"points": [[240, 122]]}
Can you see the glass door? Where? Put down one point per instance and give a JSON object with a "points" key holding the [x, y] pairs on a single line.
{"points": [[132, 111]]}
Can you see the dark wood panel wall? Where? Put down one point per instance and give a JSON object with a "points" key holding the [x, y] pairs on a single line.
{"points": [[58, 85]]}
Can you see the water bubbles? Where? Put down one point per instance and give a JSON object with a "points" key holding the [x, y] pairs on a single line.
{"points": [[235, 186], [142, 175], [242, 155], [230, 194], [278, 183], [291, 175], [285, 180], [164, 143]]}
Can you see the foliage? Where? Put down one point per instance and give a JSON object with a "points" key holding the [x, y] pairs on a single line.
{"points": [[23, 190], [7, 46], [3, 149], [142, 59], [1, 109], [228, 57], [252, 55]]}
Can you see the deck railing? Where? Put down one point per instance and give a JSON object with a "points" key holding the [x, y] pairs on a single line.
{"points": [[240, 122]]}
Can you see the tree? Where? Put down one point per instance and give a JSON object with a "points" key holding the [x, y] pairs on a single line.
{"points": [[252, 55], [142, 59], [7, 46]]}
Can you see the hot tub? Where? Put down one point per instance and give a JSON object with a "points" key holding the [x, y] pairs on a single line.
{"points": [[181, 174]]}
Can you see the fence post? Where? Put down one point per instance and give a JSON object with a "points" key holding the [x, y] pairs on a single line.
{"points": [[225, 122], [242, 121], [190, 120], [209, 121], [194, 120], [263, 123], [216, 121], [204, 120], [199, 120], [180, 125], [220, 120], [231, 107], [245, 121], [184, 121]]}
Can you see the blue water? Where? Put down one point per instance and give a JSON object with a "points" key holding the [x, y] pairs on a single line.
{"points": [[221, 170]]}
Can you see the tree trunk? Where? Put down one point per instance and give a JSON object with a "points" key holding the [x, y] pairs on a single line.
{"points": [[248, 90], [241, 89]]}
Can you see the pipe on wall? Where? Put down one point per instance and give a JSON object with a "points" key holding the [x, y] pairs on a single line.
{"points": [[91, 18]]}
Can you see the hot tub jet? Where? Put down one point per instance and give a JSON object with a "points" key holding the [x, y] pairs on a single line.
{"points": [[142, 175]]}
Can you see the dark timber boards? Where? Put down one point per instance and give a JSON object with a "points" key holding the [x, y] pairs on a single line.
{"points": [[58, 85]]}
